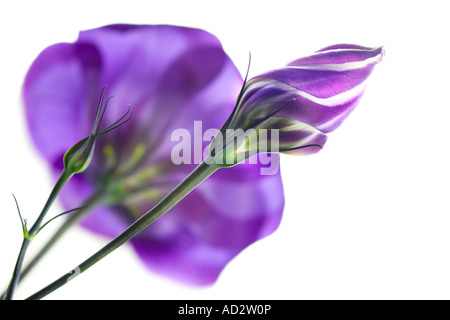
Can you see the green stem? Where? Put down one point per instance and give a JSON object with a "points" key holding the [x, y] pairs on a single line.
{"points": [[64, 177], [203, 171], [70, 221]]}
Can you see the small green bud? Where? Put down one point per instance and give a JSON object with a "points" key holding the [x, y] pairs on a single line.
{"points": [[79, 156]]}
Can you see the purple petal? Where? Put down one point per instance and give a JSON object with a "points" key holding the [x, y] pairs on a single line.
{"points": [[322, 116], [207, 229], [320, 83], [344, 46], [329, 73], [171, 77], [54, 89], [341, 54], [265, 99], [320, 90], [194, 263]]}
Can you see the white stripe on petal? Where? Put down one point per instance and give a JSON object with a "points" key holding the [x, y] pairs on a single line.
{"points": [[290, 91], [332, 122], [338, 99], [340, 66], [301, 126]]}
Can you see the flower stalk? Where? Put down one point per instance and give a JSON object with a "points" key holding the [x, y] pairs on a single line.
{"points": [[64, 177], [88, 205], [184, 77], [298, 104], [202, 171], [76, 160]]}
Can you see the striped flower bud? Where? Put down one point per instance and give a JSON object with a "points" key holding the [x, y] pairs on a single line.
{"points": [[303, 101]]}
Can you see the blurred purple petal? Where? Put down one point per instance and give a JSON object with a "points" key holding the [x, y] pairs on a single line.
{"points": [[171, 77], [55, 88], [204, 240]]}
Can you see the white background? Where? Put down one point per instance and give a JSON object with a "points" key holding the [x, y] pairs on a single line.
{"points": [[366, 218]]}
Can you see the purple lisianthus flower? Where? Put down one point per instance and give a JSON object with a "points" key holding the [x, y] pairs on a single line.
{"points": [[307, 99], [171, 76]]}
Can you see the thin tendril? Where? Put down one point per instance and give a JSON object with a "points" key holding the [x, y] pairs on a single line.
{"points": [[22, 221], [57, 216], [241, 93], [118, 123], [302, 147], [102, 116], [98, 111]]}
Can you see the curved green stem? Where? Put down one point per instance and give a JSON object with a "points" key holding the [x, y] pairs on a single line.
{"points": [[64, 177], [203, 171]]}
